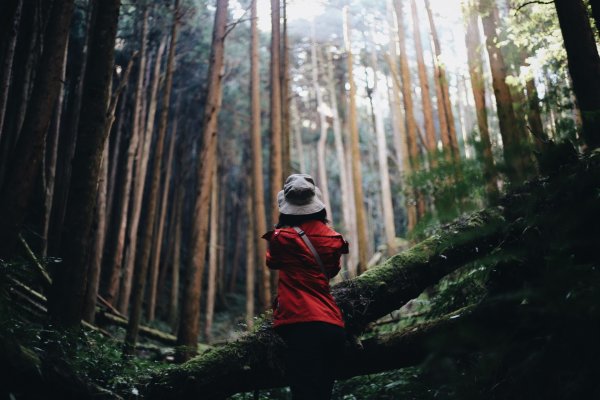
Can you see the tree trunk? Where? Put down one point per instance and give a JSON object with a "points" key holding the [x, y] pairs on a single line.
{"points": [[7, 63], [157, 165], [322, 142], [445, 105], [190, 312], [276, 173], [345, 192], [89, 306], [176, 256], [116, 253], [361, 223], [51, 155], [474, 44], [584, 64], [18, 188], [258, 200], [285, 97], [409, 114], [382, 162], [251, 265], [138, 196], [516, 157], [69, 285], [424, 82], [212, 258]]}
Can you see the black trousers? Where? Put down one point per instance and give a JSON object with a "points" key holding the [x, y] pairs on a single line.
{"points": [[313, 352]]}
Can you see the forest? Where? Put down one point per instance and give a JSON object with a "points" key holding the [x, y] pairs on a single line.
{"points": [[143, 144]]}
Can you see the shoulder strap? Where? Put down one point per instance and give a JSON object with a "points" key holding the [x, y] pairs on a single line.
{"points": [[312, 250]]}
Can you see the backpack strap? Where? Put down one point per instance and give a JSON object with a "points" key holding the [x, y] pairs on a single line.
{"points": [[312, 250]]}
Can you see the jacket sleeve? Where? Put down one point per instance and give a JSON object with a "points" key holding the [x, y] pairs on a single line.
{"points": [[273, 254], [335, 267]]}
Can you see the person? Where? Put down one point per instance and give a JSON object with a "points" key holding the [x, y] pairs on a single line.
{"points": [[305, 314]]}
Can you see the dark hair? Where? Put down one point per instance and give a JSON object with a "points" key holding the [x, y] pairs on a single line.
{"points": [[295, 220]]}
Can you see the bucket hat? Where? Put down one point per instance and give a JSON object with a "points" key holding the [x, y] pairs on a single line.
{"points": [[300, 196]]}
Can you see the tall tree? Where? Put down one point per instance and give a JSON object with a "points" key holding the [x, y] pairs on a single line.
{"points": [[145, 248], [409, 114], [138, 196], [516, 157], [361, 222], [444, 104], [285, 96], [250, 261], [584, 64], [322, 142], [17, 190], [474, 59], [276, 173], [258, 200], [190, 311], [65, 299], [212, 258], [431, 141], [116, 253]]}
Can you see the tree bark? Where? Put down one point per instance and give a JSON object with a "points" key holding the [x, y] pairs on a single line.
{"points": [[69, 285], [584, 64], [424, 82], [131, 256], [190, 312], [474, 44], [285, 97], [176, 257], [18, 188], [361, 223], [251, 265], [116, 253]]}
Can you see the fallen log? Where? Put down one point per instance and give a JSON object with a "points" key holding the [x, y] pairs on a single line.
{"points": [[254, 362]]}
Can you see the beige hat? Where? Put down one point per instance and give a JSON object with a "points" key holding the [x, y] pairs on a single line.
{"points": [[300, 196]]}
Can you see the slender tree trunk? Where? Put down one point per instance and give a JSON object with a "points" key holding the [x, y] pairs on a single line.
{"points": [[136, 210], [584, 64], [474, 44], [387, 208], [258, 200], [339, 147], [157, 166], [445, 108], [176, 256], [7, 63], [431, 141], [89, 307], [250, 263], [276, 173], [68, 289], [534, 114], [361, 223], [297, 130], [517, 160], [18, 188], [212, 259], [322, 143], [134, 142], [190, 312], [285, 97], [411, 123], [51, 161]]}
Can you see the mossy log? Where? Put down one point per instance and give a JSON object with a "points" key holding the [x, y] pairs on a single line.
{"points": [[254, 361]]}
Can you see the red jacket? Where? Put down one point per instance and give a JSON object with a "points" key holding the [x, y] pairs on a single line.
{"points": [[303, 291]]}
